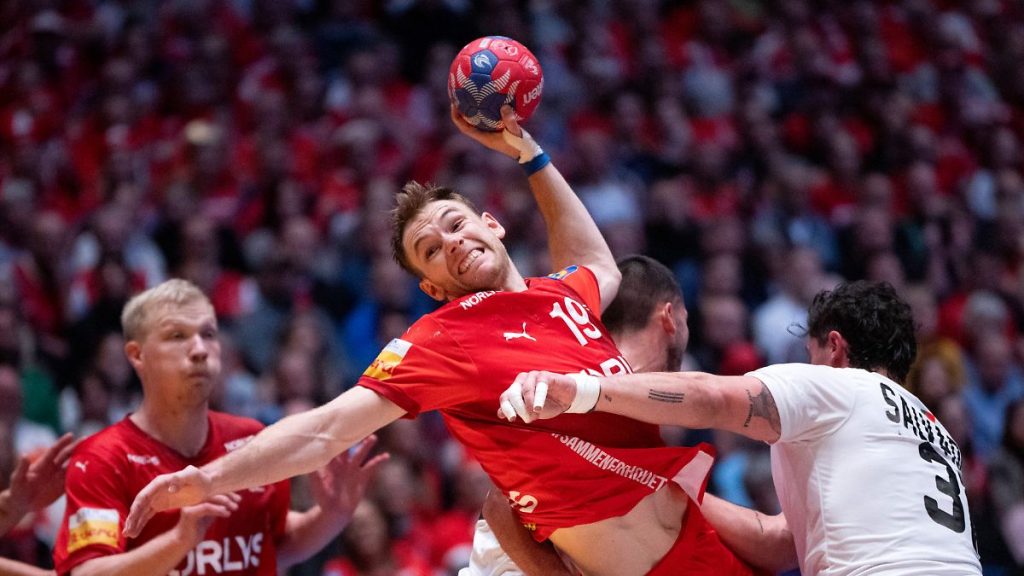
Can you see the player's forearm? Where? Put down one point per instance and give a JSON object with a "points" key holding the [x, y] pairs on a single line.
{"points": [[306, 534], [740, 404], [573, 237], [676, 398], [759, 539], [532, 557], [14, 568], [303, 442], [158, 556], [11, 511]]}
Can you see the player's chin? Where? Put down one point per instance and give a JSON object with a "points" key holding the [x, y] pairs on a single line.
{"points": [[482, 278]]}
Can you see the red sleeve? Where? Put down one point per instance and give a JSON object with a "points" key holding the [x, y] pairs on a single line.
{"points": [[584, 282], [426, 369], [96, 510]]}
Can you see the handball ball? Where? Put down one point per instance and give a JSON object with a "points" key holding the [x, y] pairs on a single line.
{"points": [[490, 72]]}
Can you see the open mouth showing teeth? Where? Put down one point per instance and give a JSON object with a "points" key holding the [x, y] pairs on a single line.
{"points": [[469, 259]]}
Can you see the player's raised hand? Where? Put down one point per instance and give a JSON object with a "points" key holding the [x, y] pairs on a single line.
{"points": [[340, 485], [165, 492], [513, 141], [36, 483], [536, 395]]}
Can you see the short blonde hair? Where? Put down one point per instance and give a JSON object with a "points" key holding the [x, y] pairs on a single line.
{"points": [[176, 292]]}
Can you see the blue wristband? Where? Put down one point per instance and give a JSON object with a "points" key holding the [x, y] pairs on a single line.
{"points": [[539, 161]]}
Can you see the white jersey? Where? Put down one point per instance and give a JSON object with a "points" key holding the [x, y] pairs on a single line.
{"points": [[487, 557], [868, 478]]}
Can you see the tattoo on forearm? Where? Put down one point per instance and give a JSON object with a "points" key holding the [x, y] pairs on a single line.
{"points": [[763, 406], [669, 397]]}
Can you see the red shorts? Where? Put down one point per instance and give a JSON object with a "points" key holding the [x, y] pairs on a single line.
{"points": [[699, 552]]}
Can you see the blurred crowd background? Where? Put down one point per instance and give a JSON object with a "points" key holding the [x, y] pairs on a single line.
{"points": [[762, 150]]}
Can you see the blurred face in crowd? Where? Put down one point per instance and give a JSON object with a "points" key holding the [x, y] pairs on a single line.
{"points": [[456, 251], [366, 534], [10, 395], [177, 354], [1015, 428]]}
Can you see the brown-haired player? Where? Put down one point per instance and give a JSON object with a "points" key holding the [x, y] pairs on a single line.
{"points": [[604, 489]]}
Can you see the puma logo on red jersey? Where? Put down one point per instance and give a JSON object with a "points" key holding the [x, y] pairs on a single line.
{"points": [[523, 334]]}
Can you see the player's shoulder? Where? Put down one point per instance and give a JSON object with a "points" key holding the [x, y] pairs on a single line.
{"points": [[115, 436], [106, 448]]}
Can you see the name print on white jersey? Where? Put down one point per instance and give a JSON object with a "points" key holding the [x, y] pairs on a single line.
{"points": [[946, 507]]}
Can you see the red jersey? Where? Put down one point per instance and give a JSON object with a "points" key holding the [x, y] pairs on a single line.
{"points": [[570, 470], [108, 469]]}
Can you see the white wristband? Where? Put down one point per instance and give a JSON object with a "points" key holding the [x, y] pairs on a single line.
{"points": [[588, 390], [527, 146]]}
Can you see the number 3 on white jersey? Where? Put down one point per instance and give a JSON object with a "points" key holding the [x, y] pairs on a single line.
{"points": [[576, 318]]}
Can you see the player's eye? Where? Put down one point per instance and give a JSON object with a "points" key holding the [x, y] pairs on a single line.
{"points": [[431, 251]]}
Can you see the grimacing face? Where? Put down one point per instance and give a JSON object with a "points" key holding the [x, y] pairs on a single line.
{"points": [[456, 251]]}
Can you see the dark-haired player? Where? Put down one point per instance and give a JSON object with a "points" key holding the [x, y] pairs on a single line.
{"points": [[868, 478]]}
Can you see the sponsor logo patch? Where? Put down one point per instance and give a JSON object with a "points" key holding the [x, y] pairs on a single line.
{"points": [[563, 272], [389, 358], [90, 526]]}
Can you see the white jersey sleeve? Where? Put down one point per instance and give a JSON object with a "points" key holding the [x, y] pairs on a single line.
{"points": [[810, 404]]}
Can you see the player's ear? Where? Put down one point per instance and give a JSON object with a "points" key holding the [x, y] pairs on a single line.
{"points": [[433, 290], [133, 351], [838, 350], [666, 318], [493, 224]]}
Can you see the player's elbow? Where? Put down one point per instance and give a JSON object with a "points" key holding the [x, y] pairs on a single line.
{"points": [[781, 551]]}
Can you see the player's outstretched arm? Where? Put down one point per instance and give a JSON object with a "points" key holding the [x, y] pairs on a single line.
{"points": [[296, 445], [740, 404], [573, 237], [14, 568], [759, 539], [533, 558]]}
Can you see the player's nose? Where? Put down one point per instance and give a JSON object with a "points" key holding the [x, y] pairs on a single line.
{"points": [[453, 242], [199, 349]]}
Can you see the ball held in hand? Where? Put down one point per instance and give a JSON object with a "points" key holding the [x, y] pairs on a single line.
{"points": [[490, 72]]}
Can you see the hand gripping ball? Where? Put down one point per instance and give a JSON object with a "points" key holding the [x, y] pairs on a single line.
{"points": [[490, 72]]}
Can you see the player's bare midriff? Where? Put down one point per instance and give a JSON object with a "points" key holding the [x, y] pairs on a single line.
{"points": [[628, 545]]}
